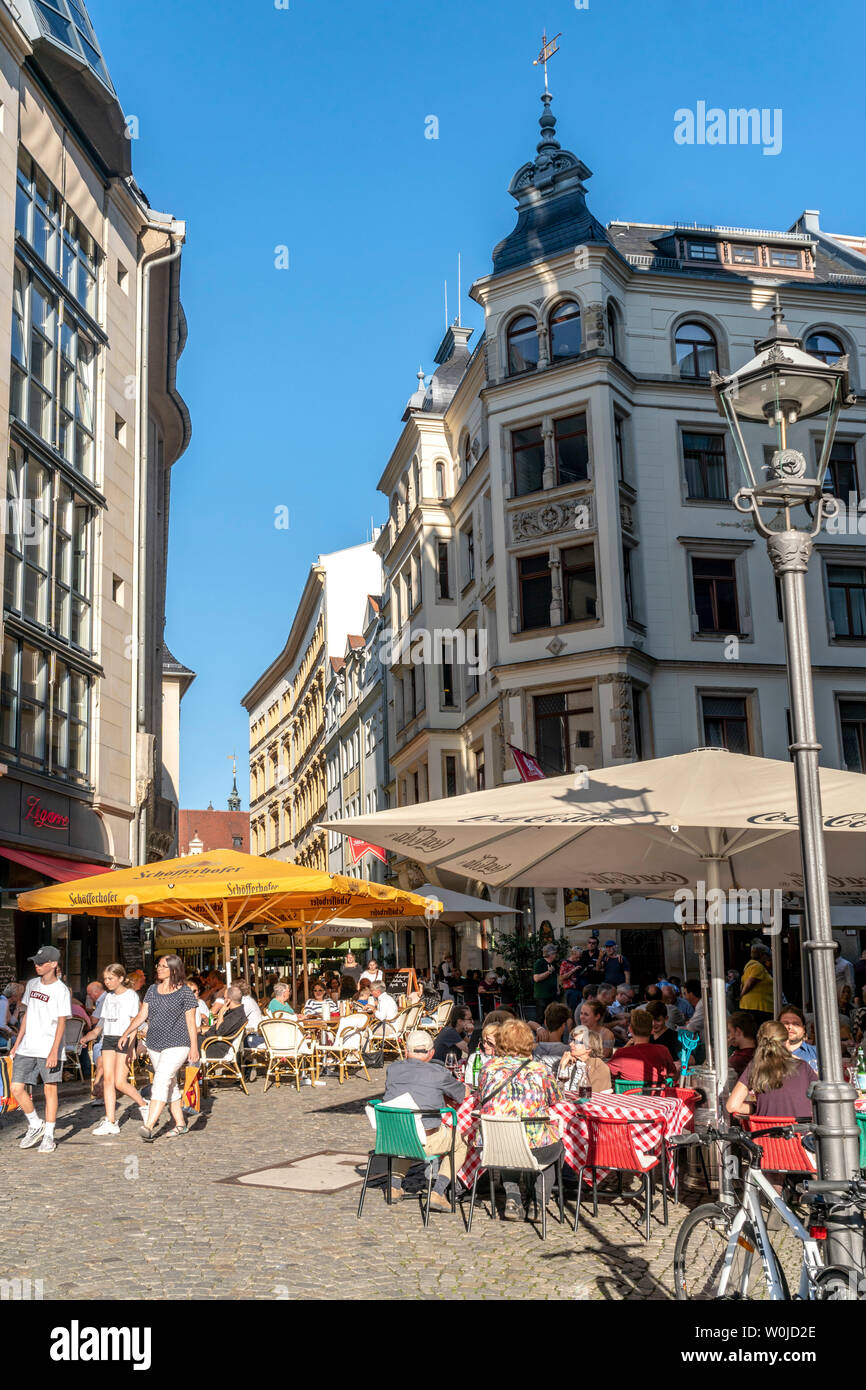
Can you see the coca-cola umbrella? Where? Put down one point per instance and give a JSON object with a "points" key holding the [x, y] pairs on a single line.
{"points": [[658, 827]]}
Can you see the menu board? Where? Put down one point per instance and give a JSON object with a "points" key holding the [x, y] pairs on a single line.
{"points": [[401, 981]]}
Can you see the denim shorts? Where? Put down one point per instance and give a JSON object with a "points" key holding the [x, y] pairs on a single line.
{"points": [[29, 1071]]}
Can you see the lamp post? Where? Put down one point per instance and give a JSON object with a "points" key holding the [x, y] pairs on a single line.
{"points": [[781, 386]]}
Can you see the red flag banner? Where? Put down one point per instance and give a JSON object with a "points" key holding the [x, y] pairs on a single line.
{"points": [[358, 848], [528, 766]]}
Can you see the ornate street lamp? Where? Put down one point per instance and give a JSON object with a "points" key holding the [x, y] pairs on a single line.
{"points": [[781, 386]]}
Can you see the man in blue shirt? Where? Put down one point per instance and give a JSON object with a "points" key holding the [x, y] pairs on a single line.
{"points": [[795, 1023], [617, 970]]}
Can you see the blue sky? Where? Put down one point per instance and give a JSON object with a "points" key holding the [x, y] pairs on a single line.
{"points": [[305, 127]]}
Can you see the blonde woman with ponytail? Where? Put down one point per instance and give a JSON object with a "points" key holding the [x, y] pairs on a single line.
{"points": [[119, 1007], [774, 1083]]}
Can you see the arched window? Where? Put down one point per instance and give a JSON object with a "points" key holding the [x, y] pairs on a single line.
{"points": [[565, 331], [440, 479], [611, 329], [825, 347], [466, 456], [522, 345], [697, 354]]}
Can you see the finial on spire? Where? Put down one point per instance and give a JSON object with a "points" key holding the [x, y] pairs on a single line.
{"points": [[548, 48], [234, 801]]}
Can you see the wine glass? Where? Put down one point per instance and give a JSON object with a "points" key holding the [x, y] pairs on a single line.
{"points": [[451, 1061]]}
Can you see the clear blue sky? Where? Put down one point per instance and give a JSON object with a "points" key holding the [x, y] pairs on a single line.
{"points": [[305, 127]]}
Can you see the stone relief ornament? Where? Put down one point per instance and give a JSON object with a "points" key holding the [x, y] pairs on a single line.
{"points": [[621, 714], [550, 518]]}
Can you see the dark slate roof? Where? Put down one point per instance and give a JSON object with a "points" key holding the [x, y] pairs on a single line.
{"points": [[552, 215], [831, 259], [453, 357], [171, 666]]}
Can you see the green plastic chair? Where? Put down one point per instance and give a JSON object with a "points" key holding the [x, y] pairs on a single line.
{"points": [[621, 1086], [861, 1121], [397, 1137]]}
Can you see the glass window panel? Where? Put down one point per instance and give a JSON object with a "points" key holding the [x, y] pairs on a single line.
{"points": [[565, 336], [572, 449], [527, 449], [9, 694], [57, 26], [19, 329], [522, 345], [12, 582]]}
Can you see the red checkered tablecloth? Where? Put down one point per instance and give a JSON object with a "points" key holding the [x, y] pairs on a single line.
{"points": [[666, 1117]]}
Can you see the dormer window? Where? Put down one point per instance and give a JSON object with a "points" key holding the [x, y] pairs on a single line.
{"points": [[702, 251], [565, 331], [825, 347], [788, 260], [744, 255], [522, 345]]}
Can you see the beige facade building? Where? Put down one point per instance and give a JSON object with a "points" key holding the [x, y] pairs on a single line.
{"points": [[91, 329], [286, 706]]}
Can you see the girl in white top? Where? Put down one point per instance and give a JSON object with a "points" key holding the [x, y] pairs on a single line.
{"points": [[120, 1004]]}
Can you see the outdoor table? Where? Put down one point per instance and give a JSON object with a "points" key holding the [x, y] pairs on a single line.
{"points": [[668, 1116]]}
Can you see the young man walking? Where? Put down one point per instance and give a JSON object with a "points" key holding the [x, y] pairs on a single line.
{"points": [[38, 1051]]}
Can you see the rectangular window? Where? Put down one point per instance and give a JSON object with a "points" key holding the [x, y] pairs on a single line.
{"points": [[847, 589], [715, 589], [744, 255], [450, 775], [628, 582], [637, 712], [706, 472], [469, 553], [407, 580], [487, 524], [571, 449], [39, 216], [619, 446], [840, 480], [579, 586], [527, 453], [44, 711], [564, 732], [442, 567], [703, 251], [480, 782], [788, 259], [536, 591], [415, 789], [418, 688], [448, 681], [726, 722], [852, 714]]}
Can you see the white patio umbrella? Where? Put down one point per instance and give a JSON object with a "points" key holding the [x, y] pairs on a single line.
{"points": [[724, 819]]}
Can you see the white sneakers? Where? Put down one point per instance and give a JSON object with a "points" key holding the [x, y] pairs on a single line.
{"points": [[106, 1127], [47, 1146], [32, 1137]]}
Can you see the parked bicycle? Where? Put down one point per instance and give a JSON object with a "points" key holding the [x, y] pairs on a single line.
{"points": [[723, 1248]]}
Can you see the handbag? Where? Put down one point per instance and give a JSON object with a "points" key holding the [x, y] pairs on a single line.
{"points": [[191, 1099], [7, 1100]]}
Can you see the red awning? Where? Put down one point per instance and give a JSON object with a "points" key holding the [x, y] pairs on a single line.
{"points": [[50, 866]]}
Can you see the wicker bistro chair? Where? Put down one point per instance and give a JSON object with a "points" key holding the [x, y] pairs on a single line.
{"points": [[139, 1057], [347, 1048], [400, 1134], [225, 1068], [289, 1051], [72, 1044], [611, 1145], [505, 1145], [389, 1037], [435, 1022]]}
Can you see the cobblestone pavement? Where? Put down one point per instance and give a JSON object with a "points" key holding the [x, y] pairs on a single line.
{"points": [[155, 1221]]}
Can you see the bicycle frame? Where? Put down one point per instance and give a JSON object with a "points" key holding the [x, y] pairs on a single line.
{"points": [[750, 1212]]}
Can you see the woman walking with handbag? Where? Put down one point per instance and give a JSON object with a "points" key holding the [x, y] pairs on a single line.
{"points": [[169, 1010]]}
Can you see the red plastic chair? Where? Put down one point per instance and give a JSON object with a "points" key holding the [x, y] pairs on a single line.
{"points": [[611, 1145], [778, 1155]]}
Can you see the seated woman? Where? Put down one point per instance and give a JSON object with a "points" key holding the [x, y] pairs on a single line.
{"points": [[662, 1034], [583, 1065], [514, 1084], [483, 1053], [774, 1082], [282, 1000], [364, 998], [551, 1040], [591, 1015]]}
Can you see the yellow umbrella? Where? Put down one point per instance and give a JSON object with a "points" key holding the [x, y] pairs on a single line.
{"points": [[228, 890]]}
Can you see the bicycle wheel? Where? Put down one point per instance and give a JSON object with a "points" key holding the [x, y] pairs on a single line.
{"points": [[699, 1257], [837, 1285]]}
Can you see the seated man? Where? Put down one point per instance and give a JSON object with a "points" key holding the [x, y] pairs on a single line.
{"points": [[692, 996], [282, 1000], [622, 1002], [670, 999], [385, 1004], [641, 1059], [743, 1038], [231, 1018], [431, 1087], [454, 1036]]}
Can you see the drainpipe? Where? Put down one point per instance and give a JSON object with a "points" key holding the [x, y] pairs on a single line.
{"points": [[157, 258]]}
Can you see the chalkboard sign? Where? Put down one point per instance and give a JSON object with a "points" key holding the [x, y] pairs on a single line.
{"points": [[401, 981], [131, 943]]}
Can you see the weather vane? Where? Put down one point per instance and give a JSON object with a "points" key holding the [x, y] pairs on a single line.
{"points": [[233, 759], [548, 48]]}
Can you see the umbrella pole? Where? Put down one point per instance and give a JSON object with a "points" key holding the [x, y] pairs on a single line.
{"points": [[776, 955], [227, 943], [294, 975], [304, 962], [717, 1015]]}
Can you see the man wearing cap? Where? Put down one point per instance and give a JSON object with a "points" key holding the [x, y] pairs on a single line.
{"points": [[38, 1051], [545, 979], [617, 970], [430, 1087]]}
